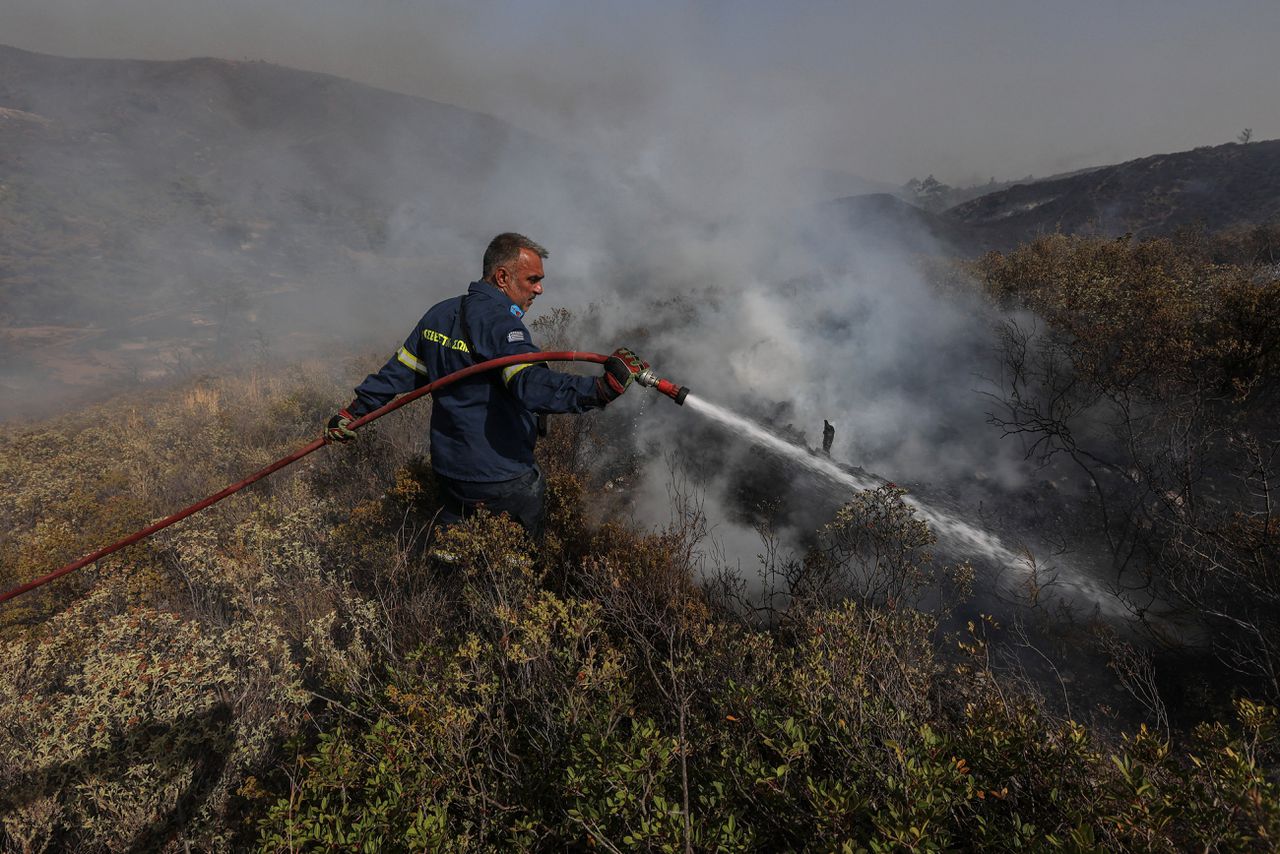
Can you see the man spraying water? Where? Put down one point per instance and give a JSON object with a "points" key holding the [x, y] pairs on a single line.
{"points": [[484, 428], [484, 424]]}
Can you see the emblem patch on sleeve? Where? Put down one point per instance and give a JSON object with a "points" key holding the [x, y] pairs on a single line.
{"points": [[514, 336]]}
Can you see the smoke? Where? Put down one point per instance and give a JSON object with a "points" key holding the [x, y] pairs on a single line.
{"points": [[193, 212], [796, 319]]}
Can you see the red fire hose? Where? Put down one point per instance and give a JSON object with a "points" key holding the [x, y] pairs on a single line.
{"points": [[668, 388]]}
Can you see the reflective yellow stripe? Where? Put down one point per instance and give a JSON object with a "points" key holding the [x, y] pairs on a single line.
{"points": [[445, 341], [509, 372], [409, 360]]}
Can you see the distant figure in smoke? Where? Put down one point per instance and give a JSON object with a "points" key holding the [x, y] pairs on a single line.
{"points": [[828, 436], [483, 428]]}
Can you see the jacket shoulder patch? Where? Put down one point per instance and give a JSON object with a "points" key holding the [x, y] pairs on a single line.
{"points": [[515, 336]]}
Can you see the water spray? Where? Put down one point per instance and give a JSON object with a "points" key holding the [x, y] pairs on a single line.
{"points": [[968, 538]]}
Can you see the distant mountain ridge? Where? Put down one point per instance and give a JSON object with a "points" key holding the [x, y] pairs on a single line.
{"points": [[1215, 188]]}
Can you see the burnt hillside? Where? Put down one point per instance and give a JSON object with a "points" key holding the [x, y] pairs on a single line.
{"points": [[1215, 188], [293, 669]]}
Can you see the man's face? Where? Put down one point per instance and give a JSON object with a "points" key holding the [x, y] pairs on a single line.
{"points": [[521, 281]]}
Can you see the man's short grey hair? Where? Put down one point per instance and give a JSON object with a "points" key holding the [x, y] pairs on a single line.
{"points": [[505, 249]]}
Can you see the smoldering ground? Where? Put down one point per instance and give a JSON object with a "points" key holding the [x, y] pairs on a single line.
{"points": [[794, 321]]}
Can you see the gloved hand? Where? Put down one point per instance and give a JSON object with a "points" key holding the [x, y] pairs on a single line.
{"points": [[337, 430], [619, 370]]}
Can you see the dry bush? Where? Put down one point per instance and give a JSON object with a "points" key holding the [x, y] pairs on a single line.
{"points": [[143, 691], [472, 725], [128, 728], [874, 551]]}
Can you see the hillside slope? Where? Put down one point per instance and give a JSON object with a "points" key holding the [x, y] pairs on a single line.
{"points": [[154, 214], [97, 156], [1218, 188]]}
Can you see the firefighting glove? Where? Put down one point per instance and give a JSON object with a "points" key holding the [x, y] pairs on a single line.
{"points": [[619, 370], [337, 430]]}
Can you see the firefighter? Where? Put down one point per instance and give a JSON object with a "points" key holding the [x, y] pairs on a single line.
{"points": [[483, 428]]}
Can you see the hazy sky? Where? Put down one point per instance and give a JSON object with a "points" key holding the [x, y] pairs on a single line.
{"points": [[886, 90]]}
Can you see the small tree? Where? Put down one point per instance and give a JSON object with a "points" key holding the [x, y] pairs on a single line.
{"points": [[1245, 136]]}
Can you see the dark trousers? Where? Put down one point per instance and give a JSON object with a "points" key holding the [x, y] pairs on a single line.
{"points": [[523, 498]]}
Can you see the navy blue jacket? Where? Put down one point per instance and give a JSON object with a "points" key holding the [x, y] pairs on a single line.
{"points": [[483, 427]]}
